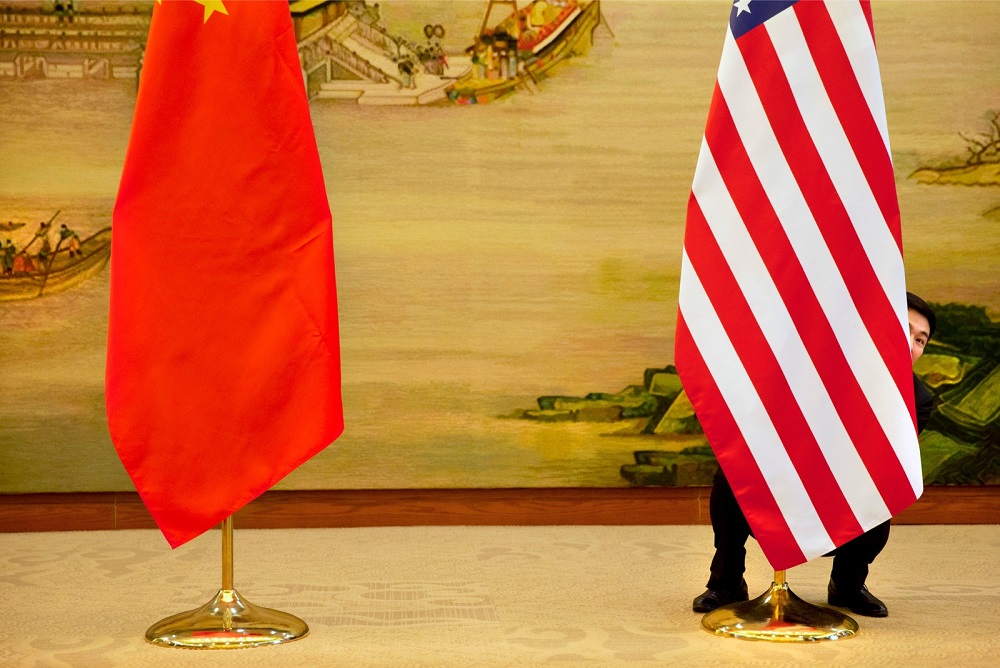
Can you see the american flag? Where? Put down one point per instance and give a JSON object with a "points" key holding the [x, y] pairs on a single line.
{"points": [[792, 327]]}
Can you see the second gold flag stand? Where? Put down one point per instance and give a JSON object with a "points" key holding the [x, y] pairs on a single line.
{"points": [[778, 615], [227, 621]]}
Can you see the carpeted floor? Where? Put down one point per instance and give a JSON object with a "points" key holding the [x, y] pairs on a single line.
{"points": [[478, 596]]}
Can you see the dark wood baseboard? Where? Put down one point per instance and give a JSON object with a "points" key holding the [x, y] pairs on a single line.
{"points": [[452, 507]]}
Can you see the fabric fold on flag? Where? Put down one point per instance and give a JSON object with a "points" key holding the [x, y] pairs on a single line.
{"points": [[223, 365], [792, 329]]}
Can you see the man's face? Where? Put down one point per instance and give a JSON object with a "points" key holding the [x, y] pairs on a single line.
{"points": [[920, 332]]}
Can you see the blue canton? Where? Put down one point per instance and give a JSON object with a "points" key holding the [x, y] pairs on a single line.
{"points": [[757, 11]]}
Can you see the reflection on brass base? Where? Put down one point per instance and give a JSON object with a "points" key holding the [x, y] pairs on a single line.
{"points": [[226, 622], [778, 615]]}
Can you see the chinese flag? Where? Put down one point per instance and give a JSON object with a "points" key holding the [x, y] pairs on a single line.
{"points": [[223, 367]]}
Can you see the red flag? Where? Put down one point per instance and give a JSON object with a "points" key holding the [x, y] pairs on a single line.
{"points": [[223, 368], [792, 326]]}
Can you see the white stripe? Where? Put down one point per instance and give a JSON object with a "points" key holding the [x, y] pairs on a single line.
{"points": [[751, 418], [855, 35], [822, 272], [852, 28], [866, 217], [784, 340], [835, 151]]}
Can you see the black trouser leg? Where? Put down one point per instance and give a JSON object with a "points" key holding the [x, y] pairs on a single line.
{"points": [[851, 560], [731, 533]]}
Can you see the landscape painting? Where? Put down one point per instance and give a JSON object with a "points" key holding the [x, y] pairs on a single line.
{"points": [[508, 183]]}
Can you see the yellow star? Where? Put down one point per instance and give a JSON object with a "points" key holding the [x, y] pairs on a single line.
{"points": [[210, 6]]}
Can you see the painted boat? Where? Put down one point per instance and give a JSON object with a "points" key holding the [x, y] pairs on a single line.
{"points": [[521, 51], [62, 272], [10, 226]]}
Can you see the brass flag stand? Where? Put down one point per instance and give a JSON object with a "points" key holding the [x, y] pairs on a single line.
{"points": [[778, 615], [227, 621]]}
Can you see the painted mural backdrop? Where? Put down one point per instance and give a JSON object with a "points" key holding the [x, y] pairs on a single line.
{"points": [[508, 199]]}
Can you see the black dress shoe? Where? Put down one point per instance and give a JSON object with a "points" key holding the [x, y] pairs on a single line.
{"points": [[713, 598], [861, 602]]}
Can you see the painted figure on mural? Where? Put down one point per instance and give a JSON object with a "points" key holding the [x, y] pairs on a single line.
{"points": [[71, 239], [851, 560], [405, 67], [9, 252], [45, 246]]}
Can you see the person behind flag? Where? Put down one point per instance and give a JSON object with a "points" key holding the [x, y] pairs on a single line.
{"points": [[851, 560]]}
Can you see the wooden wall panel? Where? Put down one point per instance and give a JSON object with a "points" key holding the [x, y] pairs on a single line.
{"points": [[444, 507], [978, 504], [474, 507], [57, 512]]}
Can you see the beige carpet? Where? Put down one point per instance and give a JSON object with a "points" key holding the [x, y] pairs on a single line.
{"points": [[478, 596]]}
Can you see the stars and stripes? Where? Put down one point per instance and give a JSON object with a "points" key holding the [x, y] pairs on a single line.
{"points": [[791, 335]]}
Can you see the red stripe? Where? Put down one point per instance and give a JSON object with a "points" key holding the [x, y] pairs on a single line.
{"points": [[768, 378], [821, 197], [744, 476], [852, 109], [811, 322]]}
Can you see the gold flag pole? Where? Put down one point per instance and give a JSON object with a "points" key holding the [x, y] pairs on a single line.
{"points": [[227, 621], [778, 615]]}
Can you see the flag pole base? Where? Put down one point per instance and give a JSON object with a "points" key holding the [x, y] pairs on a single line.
{"points": [[227, 622], [778, 615]]}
